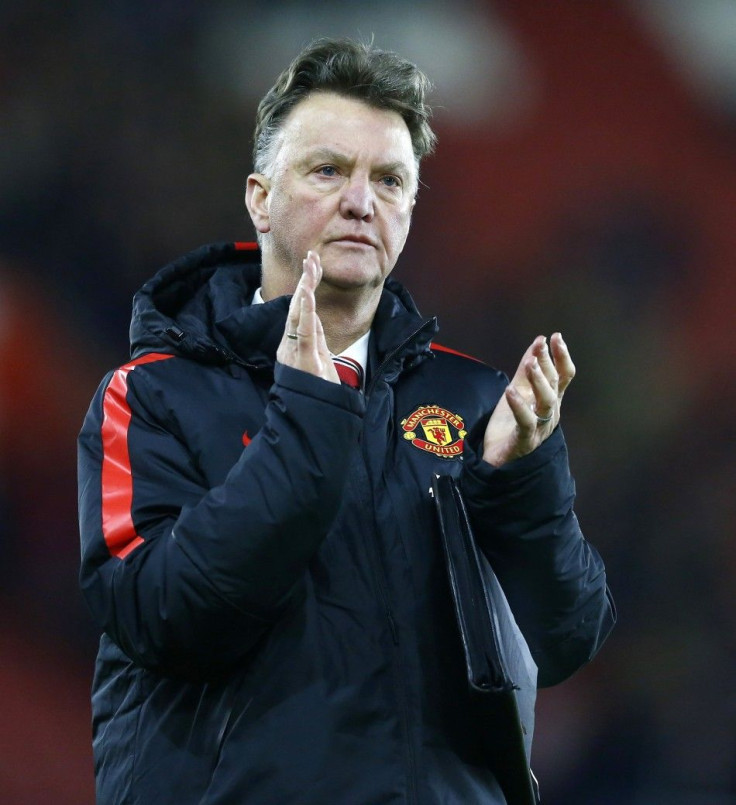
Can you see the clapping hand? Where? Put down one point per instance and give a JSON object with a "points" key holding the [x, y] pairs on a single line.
{"points": [[529, 409], [303, 344]]}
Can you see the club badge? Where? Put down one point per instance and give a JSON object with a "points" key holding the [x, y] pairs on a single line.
{"points": [[435, 430]]}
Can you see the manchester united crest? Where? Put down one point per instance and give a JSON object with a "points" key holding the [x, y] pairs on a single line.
{"points": [[435, 430]]}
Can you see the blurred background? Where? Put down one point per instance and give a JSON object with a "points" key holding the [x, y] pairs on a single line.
{"points": [[585, 181]]}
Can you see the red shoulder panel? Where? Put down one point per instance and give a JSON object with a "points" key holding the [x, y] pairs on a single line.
{"points": [[117, 477], [439, 348]]}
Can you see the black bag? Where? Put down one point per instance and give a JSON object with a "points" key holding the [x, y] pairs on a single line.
{"points": [[490, 639]]}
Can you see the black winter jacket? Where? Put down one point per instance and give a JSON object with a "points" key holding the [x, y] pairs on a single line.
{"points": [[260, 548]]}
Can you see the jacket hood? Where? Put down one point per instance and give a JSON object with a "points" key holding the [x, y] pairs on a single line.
{"points": [[199, 306]]}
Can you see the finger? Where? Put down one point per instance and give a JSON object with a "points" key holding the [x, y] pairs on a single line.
{"points": [[288, 346], [288, 349], [546, 364], [320, 341], [311, 274], [545, 397], [519, 377], [292, 317], [523, 414], [310, 319], [563, 362], [312, 270], [324, 354], [306, 325]]}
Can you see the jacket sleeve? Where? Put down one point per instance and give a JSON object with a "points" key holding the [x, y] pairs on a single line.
{"points": [[186, 579], [555, 582]]}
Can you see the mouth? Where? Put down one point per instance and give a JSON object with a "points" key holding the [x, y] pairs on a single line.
{"points": [[355, 240]]}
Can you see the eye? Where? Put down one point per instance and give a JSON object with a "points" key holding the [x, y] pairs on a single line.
{"points": [[390, 181], [327, 170]]}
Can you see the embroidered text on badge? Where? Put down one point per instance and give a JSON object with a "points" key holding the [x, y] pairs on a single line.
{"points": [[435, 430]]}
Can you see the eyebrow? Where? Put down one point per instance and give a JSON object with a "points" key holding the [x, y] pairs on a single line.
{"points": [[330, 155]]}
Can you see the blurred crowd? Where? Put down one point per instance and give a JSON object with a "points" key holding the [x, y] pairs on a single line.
{"points": [[585, 181]]}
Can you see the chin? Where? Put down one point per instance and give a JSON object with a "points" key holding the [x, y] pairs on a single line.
{"points": [[352, 277], [351, 285]]}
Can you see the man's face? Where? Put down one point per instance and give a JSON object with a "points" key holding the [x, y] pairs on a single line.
{"points": [[343, 185]]}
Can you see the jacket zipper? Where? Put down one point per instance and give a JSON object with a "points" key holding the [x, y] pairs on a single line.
{"points": [[380, 576], [380, 573], [382, 584], [393, 354]]}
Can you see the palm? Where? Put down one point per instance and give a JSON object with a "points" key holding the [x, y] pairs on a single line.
{"points": [[529, 409]]}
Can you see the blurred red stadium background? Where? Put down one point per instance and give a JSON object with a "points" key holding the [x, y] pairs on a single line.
{"points": [[585, 181]]}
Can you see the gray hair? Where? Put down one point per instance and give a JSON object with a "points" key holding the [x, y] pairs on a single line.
{"points": [[379, 78]]}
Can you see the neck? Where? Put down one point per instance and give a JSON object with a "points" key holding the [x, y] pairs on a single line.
{"points": [[345, 314]]}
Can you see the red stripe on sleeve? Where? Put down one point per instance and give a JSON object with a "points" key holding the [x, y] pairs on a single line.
{"points": [[117, 477], [245, 245]]}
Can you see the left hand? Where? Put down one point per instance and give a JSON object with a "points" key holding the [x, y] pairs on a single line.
{"points": [[529, 410]]}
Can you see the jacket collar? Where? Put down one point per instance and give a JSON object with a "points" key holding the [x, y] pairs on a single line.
{"points": [[199, 306]]}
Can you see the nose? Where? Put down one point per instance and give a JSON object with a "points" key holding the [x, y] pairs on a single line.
{"points": [[357, 200]]}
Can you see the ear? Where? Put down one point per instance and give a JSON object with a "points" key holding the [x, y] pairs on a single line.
{"points": [[256, 201]]}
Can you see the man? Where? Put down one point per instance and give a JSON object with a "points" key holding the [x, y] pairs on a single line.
{"points": [[259, 543]]}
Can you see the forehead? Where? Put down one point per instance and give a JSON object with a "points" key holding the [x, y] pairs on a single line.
{"points": [[324, 120]]}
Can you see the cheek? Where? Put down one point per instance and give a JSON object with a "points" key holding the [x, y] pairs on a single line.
{"points": [[291, 218], [398, 231], [302, 213]]}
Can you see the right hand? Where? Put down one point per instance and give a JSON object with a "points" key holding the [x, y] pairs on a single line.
{"points": [[308, 350]]}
